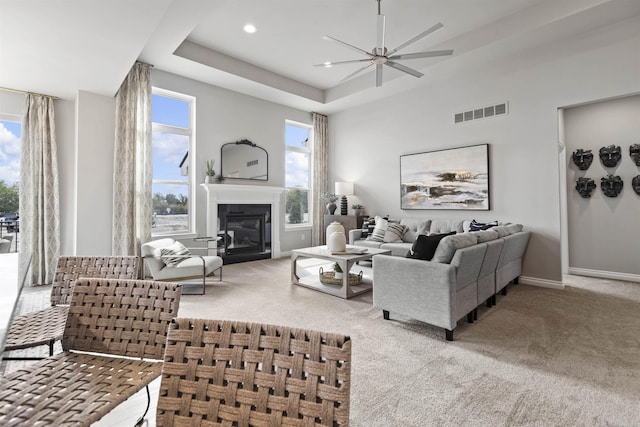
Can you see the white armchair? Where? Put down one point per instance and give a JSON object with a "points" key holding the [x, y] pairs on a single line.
{"points": [[168, 260]]}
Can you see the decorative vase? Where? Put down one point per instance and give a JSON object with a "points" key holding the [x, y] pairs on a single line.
{"points": [[208, 179], [331, 208], [337, 242], [333, 227]]}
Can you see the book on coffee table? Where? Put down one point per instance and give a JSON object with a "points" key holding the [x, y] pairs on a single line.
{"points": [[353, 251]]}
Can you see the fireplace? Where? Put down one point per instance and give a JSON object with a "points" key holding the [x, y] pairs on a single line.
{"points": [[245, 230], [260, 204]]}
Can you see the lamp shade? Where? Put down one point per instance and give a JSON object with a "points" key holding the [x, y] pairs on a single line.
{"points": [[344, 188]]}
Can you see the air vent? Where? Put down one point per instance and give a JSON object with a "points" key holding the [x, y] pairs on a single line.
{"points": [[482, 113]]}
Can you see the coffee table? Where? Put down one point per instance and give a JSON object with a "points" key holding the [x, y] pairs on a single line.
{"points": [[344, 260]]}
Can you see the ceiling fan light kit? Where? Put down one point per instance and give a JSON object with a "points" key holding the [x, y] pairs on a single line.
{"points": [[380, 55]]}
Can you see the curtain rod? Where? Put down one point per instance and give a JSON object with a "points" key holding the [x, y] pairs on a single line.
{"points": [[6, 89]]}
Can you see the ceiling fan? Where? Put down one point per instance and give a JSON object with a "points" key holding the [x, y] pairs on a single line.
{"points": [[380, 55]]}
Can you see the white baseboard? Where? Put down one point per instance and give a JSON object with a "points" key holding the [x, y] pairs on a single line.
{"points": [[544, 283], [604, 274]]}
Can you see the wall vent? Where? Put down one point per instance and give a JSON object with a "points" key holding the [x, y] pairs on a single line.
{"points": [[482, 113]]}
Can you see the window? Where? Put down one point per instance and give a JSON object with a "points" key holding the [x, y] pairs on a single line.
{"points": [[10, 132], [297, 139], [172, 115]]}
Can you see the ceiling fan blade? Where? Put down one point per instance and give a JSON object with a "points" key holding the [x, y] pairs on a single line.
{"points": [[378, 75], [422, 54], [381, 32], [356, 72], [404, 69], [331, 64], [347, 45], [416, 38]]}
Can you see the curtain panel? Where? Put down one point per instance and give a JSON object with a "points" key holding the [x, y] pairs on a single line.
{"points": [[320, 178], [132, 163], [39, 197]]}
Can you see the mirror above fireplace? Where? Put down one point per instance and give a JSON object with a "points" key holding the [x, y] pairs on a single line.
{"points": [[244, 160]]}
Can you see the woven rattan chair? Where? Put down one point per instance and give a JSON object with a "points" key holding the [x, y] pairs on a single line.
{"points": [[123, 324], [234, 373], [45, 327]]}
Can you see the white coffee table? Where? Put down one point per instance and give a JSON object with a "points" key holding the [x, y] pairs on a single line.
{"points": [[345, 261]]}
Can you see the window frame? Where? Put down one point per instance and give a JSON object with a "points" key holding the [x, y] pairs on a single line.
{"points": [[309, 151], [191, 134]]}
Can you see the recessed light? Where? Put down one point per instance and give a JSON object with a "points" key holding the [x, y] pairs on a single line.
{"points": [[249, 28]]}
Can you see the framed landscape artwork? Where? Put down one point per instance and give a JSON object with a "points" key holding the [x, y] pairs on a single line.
{"points": [[456, 178]]}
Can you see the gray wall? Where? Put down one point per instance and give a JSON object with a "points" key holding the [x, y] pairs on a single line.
{"points": [[603, 232], [366, 142]]}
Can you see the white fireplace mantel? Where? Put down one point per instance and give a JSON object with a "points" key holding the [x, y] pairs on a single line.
{"points": [[244, 195]]}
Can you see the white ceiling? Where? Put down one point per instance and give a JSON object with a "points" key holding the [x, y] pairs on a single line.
{"points": [[58, 48]]}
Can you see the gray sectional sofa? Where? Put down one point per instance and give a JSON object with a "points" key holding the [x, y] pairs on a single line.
{"points": [[467, 269]]}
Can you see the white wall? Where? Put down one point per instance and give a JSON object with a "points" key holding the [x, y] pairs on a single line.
{"points": [[603, 232], [95, 118], [366, 142], [224, 116]]}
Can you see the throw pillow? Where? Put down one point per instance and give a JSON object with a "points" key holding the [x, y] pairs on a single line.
{"points": [[177, 250], [477, 226], [449, 245], [377, 235], [425, 246], [394, 233]]}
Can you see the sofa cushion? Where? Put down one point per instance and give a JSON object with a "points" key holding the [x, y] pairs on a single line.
{"points": [[425, 246], [415, 227], [439, 226], [477, 226], [379, 230], [486, 235], [394, 233], [450, 244], [399, 249], [514, 228], [173, 254], [502, 230]]}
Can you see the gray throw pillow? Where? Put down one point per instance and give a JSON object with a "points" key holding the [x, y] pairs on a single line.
{"points": [[450, 244]]}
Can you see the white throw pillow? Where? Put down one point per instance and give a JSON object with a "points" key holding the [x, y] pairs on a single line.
{"points": [[379, 230], [176, 249], [394, 233]]}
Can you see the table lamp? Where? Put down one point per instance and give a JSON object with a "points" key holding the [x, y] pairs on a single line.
{"points": [[345, 189]]}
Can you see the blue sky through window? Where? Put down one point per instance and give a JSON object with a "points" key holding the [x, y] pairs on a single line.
{"points": [[169, 149], [10, 133], [297, 163]]}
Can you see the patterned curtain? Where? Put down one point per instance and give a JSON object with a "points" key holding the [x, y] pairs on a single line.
{"points": [[39, 199], [132, 172], [320, 178]]}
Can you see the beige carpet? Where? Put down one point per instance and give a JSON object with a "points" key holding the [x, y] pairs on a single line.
{"points": [[539, 357]]}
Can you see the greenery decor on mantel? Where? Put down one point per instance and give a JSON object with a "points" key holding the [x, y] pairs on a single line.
{"points": [[358, 209], [210, 171]]}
